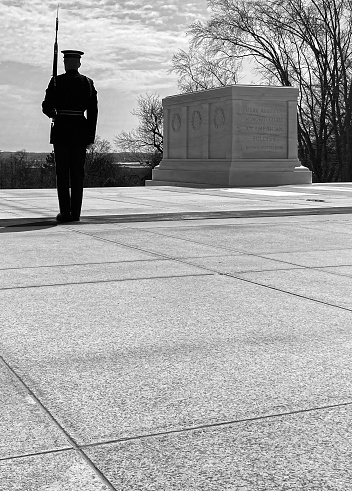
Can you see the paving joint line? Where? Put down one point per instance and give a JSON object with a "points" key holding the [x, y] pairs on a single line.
{"points": [[120, 200], [42, 266], [46, 285], [214, 271], [68, 437], [316, 300], [216, 425], [35, 454], [244, 253], [80, 447]]}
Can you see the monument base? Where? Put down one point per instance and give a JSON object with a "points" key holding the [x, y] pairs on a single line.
{"points": [[226, 173]]}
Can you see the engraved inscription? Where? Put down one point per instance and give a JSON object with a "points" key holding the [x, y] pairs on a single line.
{"points": [[196, 120], [264, 129], [176, 122]]}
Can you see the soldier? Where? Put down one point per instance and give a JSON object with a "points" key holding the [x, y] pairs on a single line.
{"points": [[67, 98]]}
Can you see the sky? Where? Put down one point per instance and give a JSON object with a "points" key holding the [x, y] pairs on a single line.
{"points": [[128, 47]]}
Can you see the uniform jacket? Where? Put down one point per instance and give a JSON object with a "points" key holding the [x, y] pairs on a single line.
{"points": [[76, 93]]}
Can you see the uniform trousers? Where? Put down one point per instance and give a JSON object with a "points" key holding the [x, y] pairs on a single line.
{"points": [[69, 160]]}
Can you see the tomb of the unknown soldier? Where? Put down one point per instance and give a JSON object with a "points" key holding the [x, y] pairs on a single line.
{"points": [[230, 137]]}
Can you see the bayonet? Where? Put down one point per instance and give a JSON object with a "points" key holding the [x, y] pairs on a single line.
{"points": [[56, 48]]}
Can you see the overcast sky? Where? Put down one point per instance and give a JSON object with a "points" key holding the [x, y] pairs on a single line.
{"points": [[128, 47]]}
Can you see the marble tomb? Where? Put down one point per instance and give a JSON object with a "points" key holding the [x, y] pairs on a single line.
{"points": [[231, 136]]}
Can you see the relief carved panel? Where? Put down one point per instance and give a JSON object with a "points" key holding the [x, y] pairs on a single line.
{"points": [[196, 120], [176, 123]]}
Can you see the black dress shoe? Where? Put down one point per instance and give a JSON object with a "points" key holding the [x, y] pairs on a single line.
{"points": [[74, 218], [62, 218]]}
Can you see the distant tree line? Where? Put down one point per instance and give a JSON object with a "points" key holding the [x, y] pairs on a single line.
{"points": [[301, 43], [21, 170]]}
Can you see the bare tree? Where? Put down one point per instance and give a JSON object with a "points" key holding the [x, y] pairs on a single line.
{"points": [[206, 65], [301, 43], [148, 136]]}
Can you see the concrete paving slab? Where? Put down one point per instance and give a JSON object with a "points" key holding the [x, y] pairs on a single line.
{"points": [[319, 285], [64, 471], [274, 193], [328, 225], [59, 246], [14, 192], [31, 205], [258, 239], [131, 358], [116, 359], [315, 258], [340, 270], [24, 428], [101, 206], [183, 207], [170, 199], [238, 263], [159, 243], [185, 222], [264, 196], [95, 272], [308, 451], [5, 214]]}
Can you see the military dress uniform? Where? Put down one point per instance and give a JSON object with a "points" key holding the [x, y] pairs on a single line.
{"points": [[67, 99]]}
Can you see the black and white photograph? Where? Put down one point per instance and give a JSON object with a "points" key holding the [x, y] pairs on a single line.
{"points": [[176, 245]]}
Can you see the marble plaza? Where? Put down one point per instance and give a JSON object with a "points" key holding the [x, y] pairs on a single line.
{"points": [[177, 339]]}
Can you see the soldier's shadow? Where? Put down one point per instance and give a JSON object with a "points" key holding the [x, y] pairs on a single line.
{"points": [[12, 225]]}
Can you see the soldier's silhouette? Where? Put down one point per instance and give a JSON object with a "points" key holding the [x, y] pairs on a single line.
{"points": [[71, 100]]}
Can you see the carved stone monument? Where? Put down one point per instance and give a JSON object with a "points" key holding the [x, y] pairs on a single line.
{"points": [[232, 136]]}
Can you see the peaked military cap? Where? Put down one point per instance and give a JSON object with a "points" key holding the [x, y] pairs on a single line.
{"points": [[72, 53]]}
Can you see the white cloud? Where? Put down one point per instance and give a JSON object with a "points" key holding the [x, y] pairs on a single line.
{"points": [[138, 34], [128, 44]]}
